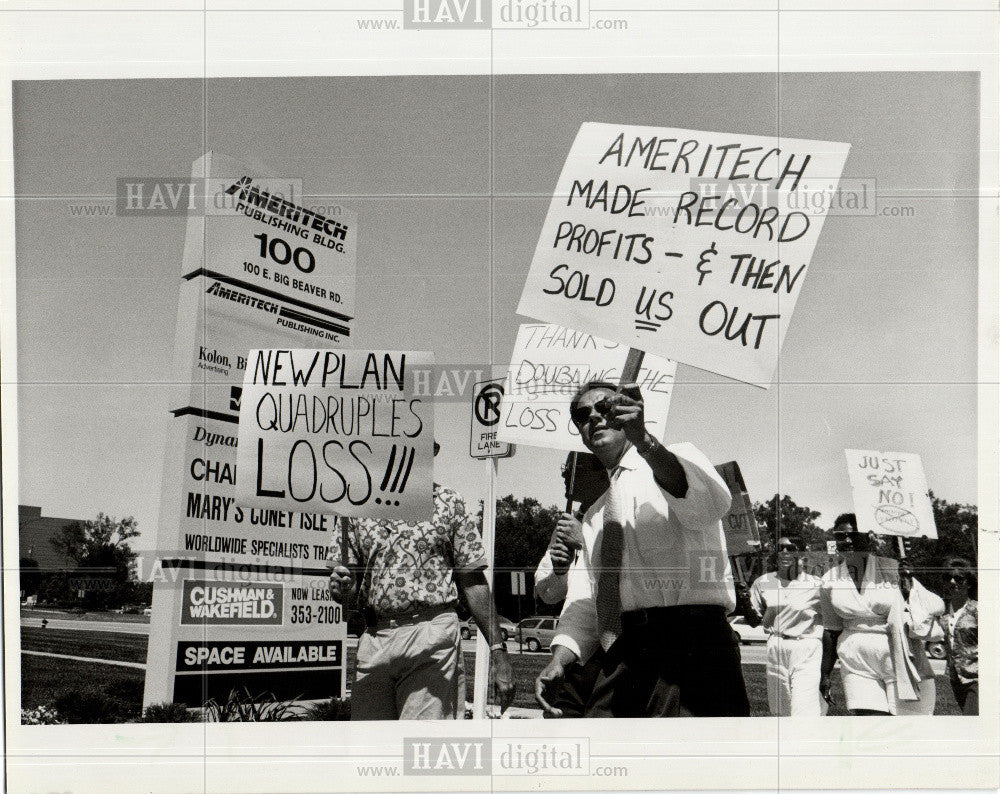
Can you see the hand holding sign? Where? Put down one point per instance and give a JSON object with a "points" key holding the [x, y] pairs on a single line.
{"points": [[624, 411], [550, 363]]}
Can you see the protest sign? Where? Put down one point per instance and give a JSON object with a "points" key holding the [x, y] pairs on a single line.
{"points": [[691, 245], [890, 493], [549, 364], [241, 596], [739, 524], [336, 431]]}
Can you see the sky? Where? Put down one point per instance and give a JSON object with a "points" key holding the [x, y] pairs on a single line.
{"points": [[880, 353]]}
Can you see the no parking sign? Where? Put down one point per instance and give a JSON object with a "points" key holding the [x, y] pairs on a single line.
{"points": [[485, 420]]}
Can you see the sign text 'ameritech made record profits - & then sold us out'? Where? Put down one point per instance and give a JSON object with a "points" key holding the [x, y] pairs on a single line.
{"points": [[689, 244]]}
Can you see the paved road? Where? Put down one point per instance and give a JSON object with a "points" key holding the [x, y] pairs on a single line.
{"points": [[88, 625]]}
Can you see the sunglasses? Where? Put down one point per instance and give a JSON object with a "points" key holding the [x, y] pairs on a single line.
{"points": [[581, 414]]}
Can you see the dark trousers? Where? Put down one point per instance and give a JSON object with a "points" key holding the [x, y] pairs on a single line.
{"points": [[672, 662], [966, 695], [577, 687]]}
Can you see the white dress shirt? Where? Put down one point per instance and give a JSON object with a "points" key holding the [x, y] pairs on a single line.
{"points": [[550, 586], [674, 549]]}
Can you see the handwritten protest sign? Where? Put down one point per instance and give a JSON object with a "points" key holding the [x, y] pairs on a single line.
{"points": [[739, 524], [549, 364], [336, 431], [692, 245], [890, 493]]}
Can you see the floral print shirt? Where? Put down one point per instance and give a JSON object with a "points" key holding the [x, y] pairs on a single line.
{"points": [[406, 567], [962, 632]]}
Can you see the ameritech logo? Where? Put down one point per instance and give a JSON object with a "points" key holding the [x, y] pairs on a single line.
{"points": [[473, 756], [466, 14]]}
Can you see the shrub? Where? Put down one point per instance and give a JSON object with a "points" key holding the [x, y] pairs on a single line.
{"points": [[244, 707], [169, 712], [96, 705], [41, 715], [332, 710], [128, 690]]}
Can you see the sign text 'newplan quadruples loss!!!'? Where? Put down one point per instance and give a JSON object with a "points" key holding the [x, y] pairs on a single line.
{"points": [[336, 431]]}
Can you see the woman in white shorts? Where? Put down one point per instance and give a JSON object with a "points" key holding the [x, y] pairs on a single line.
{"points": [[864, 626]]}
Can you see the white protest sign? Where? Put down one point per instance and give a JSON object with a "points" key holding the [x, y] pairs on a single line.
{"points": [[336, 431], [692, 245], [549, 364], [890, 493]]}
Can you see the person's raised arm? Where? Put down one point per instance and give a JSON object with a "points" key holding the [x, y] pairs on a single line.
{"points": [[627, 414]]}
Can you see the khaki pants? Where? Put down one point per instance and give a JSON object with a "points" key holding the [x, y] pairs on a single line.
{"points": [[413, 672]]}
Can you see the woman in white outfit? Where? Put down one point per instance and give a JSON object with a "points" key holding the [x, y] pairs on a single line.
{"points": [[864, 626], [787, 604]]}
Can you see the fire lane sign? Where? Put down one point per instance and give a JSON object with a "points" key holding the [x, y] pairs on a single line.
{"points": [[485, 420]]}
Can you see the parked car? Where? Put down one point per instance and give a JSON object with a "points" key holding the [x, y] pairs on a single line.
{"points": [[537, 633], [507, 628], [746, 632]]}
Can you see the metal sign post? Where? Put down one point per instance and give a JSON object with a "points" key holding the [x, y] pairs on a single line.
{"points": [[480, 691]]}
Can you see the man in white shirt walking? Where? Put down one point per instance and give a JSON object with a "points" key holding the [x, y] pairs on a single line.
{"points": [[653, 584]]}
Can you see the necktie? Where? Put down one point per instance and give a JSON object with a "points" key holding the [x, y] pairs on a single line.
{"points": [[609, 601]]}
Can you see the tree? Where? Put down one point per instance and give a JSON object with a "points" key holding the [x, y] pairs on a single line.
{"points": [[523, 529], [958, 530], [780, 517], [105, 560]]}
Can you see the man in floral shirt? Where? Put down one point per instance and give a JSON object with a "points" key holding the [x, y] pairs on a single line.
{"points": [[406, 579]]}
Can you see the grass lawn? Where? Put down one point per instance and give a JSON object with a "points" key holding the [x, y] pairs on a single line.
{"points": [[44, 678], [97, 644]]}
